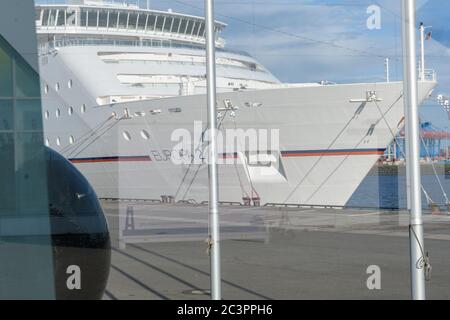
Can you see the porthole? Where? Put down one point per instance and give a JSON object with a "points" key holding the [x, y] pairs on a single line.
{"points": [[58, 141], [70, 84], [145, 135], [70, 111], [47, 114], [58, 113], [57, 86], [46, 89], [47, 142], [83, 108], [126, 135], [71, 140]]}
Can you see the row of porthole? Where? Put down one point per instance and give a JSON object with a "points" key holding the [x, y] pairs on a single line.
{"points": [[58, 86], [144, 134], [58, 141], [70, 111]]}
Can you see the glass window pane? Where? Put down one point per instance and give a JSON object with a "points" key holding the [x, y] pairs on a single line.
{"points": [[6, 87], [103, 19], [202, 30], [28, 115], [123, 19], [83, 18], [151, 23], [142, 21], [61, 18], [196, 28], [113, 19], [71, 17], [52, 20], [92, 18], [45, 18], [183, 26], [176, 24], [132, 21], [168, 24], [159, 23], [27, 81], [7, 174], [189, 28], [6, 115]]}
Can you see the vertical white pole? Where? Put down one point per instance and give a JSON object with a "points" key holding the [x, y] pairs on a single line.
{"points": [[216, 293], [422, 52], [388, 75], [413, 155]]}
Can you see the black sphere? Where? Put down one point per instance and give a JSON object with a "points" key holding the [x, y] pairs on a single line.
{"points": [[80, 235]]}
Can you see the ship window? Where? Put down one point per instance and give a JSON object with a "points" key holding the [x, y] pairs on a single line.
{"points": [[52, 18], [113, 17], [47, 142], [132, 22], [123, 20], [159, 23], [70, 84], [70, 111], [57, 86], [71, 140], [183, 26], [176, 25], [145, 135], [61, 18], [45, 18], [46, 89], [47, 114], [190, 27], [201, 32], [58, 141], [83, 108], [168, 24], [71, 17], [126, 135], [196, 29], [83, 18], [151, 23], [92, 18], [142, 21], [103, 19], [58, 113]]}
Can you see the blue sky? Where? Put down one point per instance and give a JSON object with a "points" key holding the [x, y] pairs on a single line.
{"points": [[313, 40]]}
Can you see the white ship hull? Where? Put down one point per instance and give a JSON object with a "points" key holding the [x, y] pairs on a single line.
{"points": [[327, 146], [148, 69]]}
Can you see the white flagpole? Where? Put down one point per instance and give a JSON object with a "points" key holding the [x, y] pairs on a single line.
{"points": [[216, 293], [413, 152]]}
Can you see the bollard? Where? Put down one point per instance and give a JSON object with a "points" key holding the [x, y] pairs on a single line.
{"points": [[247, 201], [171, 199], [257, 202], [164, 199]]}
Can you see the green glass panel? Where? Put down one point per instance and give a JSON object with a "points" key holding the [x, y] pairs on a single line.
{"points": [[7, 175], [6, 87], [27, 81], [6, 115], [28, 115]]}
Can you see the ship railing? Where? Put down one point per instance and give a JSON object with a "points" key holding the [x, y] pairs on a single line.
{"points": [[76, 42]]}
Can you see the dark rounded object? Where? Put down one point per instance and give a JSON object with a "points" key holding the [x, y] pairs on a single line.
{"points": [[80, 236]]}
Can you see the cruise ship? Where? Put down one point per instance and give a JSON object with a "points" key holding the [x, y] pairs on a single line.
{"points": [[120, 83]]}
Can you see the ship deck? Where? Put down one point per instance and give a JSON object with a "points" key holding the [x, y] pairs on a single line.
{"points": [[271, 253]]}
